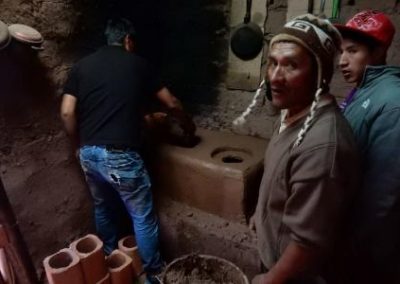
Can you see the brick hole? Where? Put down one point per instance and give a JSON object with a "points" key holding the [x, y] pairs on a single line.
{"points": [[129, 242], [115, 261], [86, 245], [232, 159], [60, 260]]}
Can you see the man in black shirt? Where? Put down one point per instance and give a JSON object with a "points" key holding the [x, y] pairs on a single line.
{"points": [[101, 111]]}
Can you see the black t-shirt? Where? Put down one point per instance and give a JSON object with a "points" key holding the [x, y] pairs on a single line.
{"points": [[111, 86]]}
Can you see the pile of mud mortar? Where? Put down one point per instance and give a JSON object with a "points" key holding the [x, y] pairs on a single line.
{"points": [[205, 269]]}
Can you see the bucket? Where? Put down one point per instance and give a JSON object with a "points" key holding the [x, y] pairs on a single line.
{"points": [[196, 269]]}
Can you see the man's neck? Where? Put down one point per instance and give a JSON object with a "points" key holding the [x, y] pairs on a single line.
{"points": [[296, 110]]}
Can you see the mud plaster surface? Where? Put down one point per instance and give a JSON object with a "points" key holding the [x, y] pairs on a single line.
{"points": [[42, 179], [186, 230]]}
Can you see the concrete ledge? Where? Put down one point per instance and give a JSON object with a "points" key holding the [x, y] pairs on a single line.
{"points": [[220, 175]]}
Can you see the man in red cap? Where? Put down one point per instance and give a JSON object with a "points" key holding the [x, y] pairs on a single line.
{"points": [[373, 110]]}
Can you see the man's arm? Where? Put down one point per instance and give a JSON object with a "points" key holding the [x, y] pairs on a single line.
{"points": [[175, 110], [320, 197], [378, 213], [168, 99], [69, 118], [295, 261]]}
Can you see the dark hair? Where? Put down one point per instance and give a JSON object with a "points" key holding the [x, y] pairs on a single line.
{"points": [[361, 38], [117, 29]]}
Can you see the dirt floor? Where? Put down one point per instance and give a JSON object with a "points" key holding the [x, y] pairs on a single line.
{"points": [[186, 230]]}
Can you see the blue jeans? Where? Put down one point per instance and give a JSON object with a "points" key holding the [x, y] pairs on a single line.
{"points": [[113, 176]]}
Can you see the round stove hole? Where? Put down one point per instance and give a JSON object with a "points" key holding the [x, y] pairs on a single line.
{"points": [[232, 159]]}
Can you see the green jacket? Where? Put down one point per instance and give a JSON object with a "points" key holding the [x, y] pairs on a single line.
{"points": [[374, 115]]}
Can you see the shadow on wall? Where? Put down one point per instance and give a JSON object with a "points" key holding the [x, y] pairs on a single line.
{"points": [[186, 40], [88, 34], [24, 82], [195, 49]]}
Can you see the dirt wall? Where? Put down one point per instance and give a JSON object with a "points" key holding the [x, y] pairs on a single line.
{"points": [[41, 177]]}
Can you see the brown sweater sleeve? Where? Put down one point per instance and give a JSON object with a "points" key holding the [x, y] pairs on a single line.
{"points": [[318, 197]]}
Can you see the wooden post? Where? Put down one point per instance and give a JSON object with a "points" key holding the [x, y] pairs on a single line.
{"points": [[13, 243]]}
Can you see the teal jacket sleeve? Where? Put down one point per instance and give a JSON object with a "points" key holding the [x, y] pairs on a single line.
{"points": [[378, 211]]}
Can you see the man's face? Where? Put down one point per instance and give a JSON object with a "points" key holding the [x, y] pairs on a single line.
{"points": [[353, 60], [129, 44], [291, 74]]}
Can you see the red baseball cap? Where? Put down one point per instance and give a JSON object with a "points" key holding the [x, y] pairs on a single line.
{"points": [[370, 23]]}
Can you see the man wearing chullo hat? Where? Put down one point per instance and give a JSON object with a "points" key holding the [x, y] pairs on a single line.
{"points": [[311, 164]]}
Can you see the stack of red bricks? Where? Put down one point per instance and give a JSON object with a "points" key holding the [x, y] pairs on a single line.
{"points": [[84, 262]]}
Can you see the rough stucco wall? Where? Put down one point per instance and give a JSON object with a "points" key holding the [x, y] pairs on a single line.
{"points": [[41, 177], [194, 65], [188, 40]]}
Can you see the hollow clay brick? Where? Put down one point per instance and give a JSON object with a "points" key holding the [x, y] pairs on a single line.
{"points": [[93, 262], [64, 267], [128, 246], [105, 280], [120, 267]]}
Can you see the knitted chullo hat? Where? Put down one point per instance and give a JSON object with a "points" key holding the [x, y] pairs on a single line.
{"points": [[319, 37], [323, 41]]}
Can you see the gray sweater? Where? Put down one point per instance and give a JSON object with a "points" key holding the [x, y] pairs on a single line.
{"points": [[306, 192]]}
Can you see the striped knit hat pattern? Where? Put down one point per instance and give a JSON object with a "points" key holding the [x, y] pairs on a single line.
{"points": [[323, 41], [319, 37]]}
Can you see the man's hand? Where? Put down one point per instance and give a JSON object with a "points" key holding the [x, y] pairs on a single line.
{"points": [[265, 279], [155, 119], [259, 279], [184, 120], [296, 262], [252, 223]]}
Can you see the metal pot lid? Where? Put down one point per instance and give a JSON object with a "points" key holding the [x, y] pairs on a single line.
{"points": [[25, 34], [247, 41], [4, 35]]}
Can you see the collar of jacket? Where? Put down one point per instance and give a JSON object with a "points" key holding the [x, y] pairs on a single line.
{"points": [[372, 73]]}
